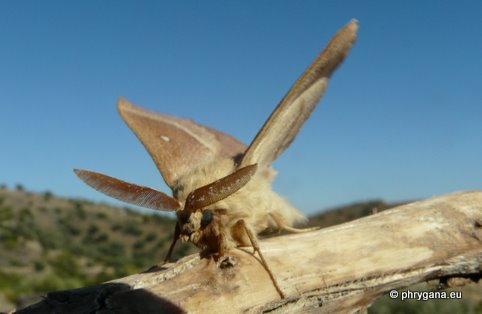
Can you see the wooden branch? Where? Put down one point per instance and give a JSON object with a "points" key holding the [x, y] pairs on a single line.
{"points": [[339, 269]]}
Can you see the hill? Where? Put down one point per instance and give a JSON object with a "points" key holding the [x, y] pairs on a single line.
{"points": [[341, 214]]}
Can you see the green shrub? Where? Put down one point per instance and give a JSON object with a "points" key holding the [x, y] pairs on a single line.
{"points": [[103, 237], [132, 229], [78, 249], [47, 196], [93, 229], [68, 227], [79, 210], [6, 213], [65, 265], [9, 237], [138, 245], [73, 230], [116, 227], [150, 237], [25, 215], [38, 265], [101, 215], [49, 239]]}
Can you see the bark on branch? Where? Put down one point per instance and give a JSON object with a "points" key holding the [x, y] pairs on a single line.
{"points": [[338, 269]]}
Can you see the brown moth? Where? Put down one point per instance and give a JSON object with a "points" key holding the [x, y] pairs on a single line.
{"points": [[221, 189]]}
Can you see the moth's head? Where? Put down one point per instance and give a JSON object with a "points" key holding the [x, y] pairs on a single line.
{"points": [[199, 210], [189, 224], [193, 224]]}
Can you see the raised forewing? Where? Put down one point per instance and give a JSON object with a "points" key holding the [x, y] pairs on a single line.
{"points": [[295, 108], [177, 145]]}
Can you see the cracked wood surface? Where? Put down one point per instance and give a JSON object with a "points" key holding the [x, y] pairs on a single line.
{"points": [[338, 269]]}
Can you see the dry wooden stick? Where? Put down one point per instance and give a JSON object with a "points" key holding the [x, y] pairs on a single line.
{"points": [[338, 269]]}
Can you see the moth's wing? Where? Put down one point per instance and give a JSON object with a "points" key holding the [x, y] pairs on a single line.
{"points": [[128, 192], [287, 119], [177, 145]]}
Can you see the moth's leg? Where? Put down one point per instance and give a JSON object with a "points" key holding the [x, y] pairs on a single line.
{"points": [[254, 243], [177, 232], [283, 226]]}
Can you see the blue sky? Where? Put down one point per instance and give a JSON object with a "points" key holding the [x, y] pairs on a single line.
{"points": [[402, 117]]}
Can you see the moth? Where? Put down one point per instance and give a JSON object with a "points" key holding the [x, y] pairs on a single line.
{"points": [[221, 188]]}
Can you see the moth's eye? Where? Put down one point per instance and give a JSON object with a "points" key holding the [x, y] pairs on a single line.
{"points": [[207, 218]]}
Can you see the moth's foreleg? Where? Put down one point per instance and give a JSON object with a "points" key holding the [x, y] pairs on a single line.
{"points": [[254, 243], [177, 233]]}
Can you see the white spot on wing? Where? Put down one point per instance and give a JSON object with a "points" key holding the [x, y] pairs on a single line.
{"points": [[165, 138]]}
